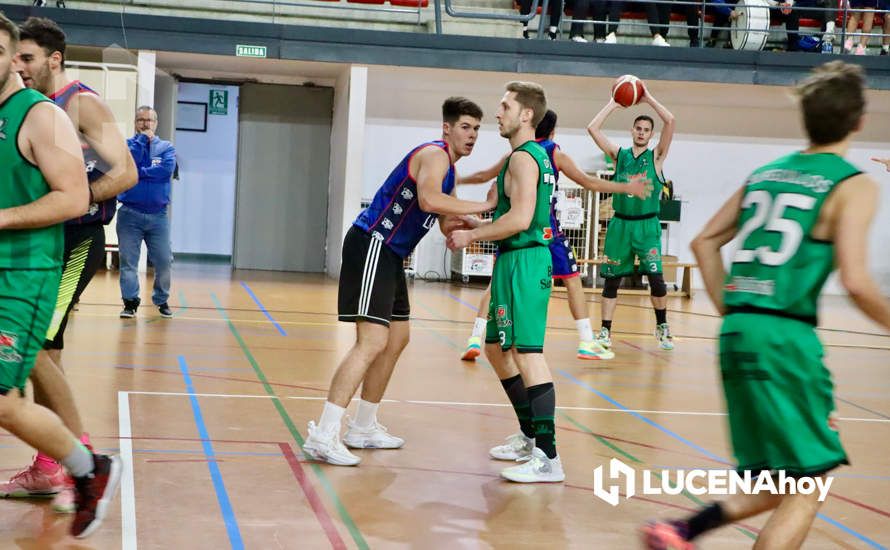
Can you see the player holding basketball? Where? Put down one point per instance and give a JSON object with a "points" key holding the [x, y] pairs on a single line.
{"points": [[110, 170], [796, 219], [563, 257], [373, 293], [635, 231], [520, 286]]}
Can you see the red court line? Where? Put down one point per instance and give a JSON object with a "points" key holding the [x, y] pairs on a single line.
{"points": [[185, 460], [314, 501], [860, 504], [652, 353], [227, 378]]}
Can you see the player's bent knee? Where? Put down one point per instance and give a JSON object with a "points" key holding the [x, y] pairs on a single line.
{"points": [[10, 405], [657, 288], [610, 288]]}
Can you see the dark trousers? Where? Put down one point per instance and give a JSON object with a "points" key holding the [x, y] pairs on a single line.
{"points": [[554, 9]]}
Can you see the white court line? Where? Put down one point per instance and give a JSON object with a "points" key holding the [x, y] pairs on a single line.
{"points": [[471, 404], [128, 483]]}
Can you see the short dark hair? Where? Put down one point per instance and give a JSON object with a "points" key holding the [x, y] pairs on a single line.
{"points": [[832, 100], [46, 34], [547, 125], [645, 117], [10, 28], [530, 95], [455, 107]]}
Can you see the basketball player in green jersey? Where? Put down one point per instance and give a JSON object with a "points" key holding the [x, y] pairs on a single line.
{"points": [[520, 285], [635, 231], [795, 219], [42, 184]]}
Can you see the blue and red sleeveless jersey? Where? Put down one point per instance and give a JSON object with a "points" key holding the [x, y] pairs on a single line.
{"points": [[394, 215], [96, 167], [550, 146]]}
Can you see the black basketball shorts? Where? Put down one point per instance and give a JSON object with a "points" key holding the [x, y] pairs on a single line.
{"points": [[372, 281]]}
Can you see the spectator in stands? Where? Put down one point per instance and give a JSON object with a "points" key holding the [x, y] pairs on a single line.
{"points": [[868, 19], [143, 215], [580, 14], [41, 3], [600, 8], [724, 12], [783, 12], [692, 21], [555, 9], [658, 14]]}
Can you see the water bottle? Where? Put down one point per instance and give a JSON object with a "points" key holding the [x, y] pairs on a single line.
{"points": [[827, 46]]}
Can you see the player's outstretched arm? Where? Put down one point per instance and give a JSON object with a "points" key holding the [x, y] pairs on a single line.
{"points": [[432, 166], [523, 173], [100, 130], [48, 139], [885, 162], [706, 246], [595, 129], [636, 187], [859, 197], [669, 123], [486, 175]]}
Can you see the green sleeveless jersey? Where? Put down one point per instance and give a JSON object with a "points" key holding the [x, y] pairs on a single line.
{"points": [[21, 183], [779, 266], [539, 232], [626, 167]]}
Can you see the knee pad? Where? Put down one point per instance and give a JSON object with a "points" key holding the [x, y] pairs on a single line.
{"points": [[656, 285], [610, 288]]}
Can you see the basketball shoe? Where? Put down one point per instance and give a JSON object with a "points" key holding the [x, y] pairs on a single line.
{"points": [[663, 335], [327, 446], [537, 469], [373, 437], [592, 351], [658, 535], [474, 349], [517, 447], [93, 494], [43, 478], [603, 338]]}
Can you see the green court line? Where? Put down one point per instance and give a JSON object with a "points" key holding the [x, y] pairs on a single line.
{"points": [[587, 430], [292, 428]]}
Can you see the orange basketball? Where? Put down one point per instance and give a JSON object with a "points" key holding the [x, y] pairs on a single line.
{"points": [[627, 90]]}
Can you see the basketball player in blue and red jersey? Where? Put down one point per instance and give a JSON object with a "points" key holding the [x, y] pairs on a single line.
{"points": [[110, 170], [373, 293], [565, 267]]}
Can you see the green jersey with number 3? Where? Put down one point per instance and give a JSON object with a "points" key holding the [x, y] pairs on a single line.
{"points": [[778, 265], [628, 167], [539, 232]]}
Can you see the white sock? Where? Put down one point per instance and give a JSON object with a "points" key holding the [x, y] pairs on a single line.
{"points": [[479, 326], [367, 414], [553, 29], [331, 417], [585, 331]]}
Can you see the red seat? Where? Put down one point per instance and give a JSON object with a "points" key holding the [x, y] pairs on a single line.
{"points": [[378, 2], [410, 3]]}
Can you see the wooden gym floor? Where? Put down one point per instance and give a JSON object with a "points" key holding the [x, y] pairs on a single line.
{"points": [[209, 409]]}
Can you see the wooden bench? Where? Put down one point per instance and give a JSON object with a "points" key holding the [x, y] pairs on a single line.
{"points": [[685, 284]]}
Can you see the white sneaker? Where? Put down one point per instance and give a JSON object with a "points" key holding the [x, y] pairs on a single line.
{"points": [[660, 41], [611, 38], [328, 447], [539, 469], [375, 437], [603, 338], [663, 335], [579, 39], [518, 447]]}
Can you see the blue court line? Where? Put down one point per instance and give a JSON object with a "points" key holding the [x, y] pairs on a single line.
{"points": [[688, 443], [221, 495], [458, 300], [263, 308]]}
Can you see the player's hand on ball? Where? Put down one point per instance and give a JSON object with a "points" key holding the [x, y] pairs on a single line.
{"points": [[460, 238]]}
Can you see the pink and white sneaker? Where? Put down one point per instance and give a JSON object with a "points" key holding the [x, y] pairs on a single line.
{"points": [[40, 479]]}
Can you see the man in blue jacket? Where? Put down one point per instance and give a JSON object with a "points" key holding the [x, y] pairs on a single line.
{"points": [[143, 215]]}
